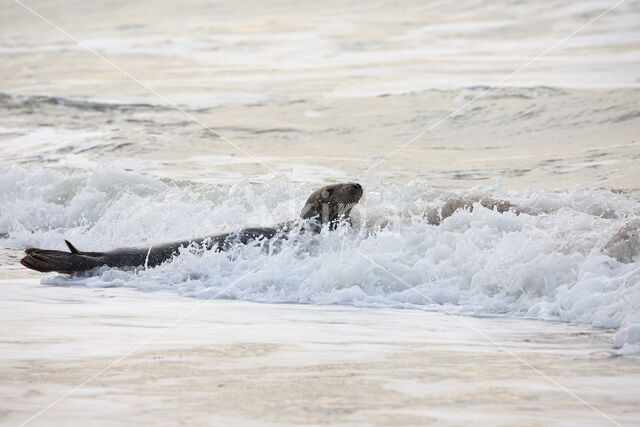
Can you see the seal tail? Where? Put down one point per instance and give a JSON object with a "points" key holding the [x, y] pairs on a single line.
{"points": [[45, 260]]}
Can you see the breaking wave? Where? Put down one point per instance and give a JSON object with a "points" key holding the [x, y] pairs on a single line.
{"points": [[553, 262]]}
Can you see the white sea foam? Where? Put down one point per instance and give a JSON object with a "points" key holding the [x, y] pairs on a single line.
{"points": [[546, 264]]}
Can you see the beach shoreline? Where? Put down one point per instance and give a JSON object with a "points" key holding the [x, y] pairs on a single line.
{"points": [[195, 362]]}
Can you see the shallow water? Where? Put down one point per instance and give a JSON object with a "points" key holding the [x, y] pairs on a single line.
{"points": [[302, 98], [239, 363], [315, 98]]}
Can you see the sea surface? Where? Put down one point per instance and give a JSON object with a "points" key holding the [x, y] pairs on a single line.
{"points": [[135, 123]]}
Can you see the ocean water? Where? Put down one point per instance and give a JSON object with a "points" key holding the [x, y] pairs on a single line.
{"points": [[294, 98]]}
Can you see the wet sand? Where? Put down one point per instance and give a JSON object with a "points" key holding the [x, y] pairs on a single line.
{"points": [[238, 363]]}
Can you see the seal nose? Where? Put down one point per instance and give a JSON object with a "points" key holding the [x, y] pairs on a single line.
{"points": [[356, 188]]}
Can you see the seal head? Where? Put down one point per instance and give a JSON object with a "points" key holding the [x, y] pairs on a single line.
{"points": [[332, 204]]}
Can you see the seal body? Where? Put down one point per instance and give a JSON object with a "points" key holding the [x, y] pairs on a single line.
{"points": [[435, 216], [328, 205], [624, 245], [69, 262]]}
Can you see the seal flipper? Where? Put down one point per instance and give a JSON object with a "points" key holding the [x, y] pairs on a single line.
{"points": [[72, 248], [45, 260], [63, 262], [75, 250]]}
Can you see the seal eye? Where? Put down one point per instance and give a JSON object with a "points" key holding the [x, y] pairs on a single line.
{"points": [[327, 193]]}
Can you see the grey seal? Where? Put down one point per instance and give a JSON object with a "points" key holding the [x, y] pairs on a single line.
{"points": [[327, 206], [624, 245], [451, 206]]}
